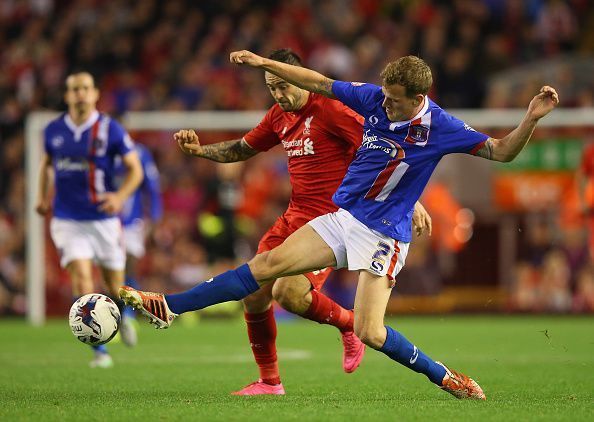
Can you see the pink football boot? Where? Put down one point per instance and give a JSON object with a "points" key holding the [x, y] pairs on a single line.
{"points": [[353, 352], [260, 388]]}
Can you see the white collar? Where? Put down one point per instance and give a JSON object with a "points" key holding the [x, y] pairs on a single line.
{"points": [[78, 130]]}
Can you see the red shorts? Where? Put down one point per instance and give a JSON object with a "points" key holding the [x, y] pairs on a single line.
{"points": [[280, 230]]}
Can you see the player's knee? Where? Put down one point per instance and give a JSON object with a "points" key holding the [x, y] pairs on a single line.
{"points": [[79, 276], [81, 286], [81, 282], [257, 302], [372, 335], [266, 266], [289, 295]]}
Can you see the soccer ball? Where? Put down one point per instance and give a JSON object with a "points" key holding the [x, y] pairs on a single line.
{"points": [[94, 319]]}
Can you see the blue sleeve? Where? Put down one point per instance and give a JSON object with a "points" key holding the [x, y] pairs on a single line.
{"points": [[458, 137], [120, 141], [151, 185], [361, 97]]}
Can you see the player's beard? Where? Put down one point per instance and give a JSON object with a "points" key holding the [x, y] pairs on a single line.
{"points": [[286, 105]]}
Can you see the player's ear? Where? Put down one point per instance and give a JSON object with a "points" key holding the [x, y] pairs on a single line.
{"points": [[419, 99]]}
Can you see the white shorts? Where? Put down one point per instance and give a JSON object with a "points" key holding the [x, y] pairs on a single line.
{"points": [[357, 247], [101, 241], [134, 237]]}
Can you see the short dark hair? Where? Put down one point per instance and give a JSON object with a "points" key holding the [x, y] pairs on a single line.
{"points": [[286, 55], [411, 72], [77, 72]]}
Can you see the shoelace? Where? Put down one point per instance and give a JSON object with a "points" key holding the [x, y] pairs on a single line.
{"points": [[349, 343], [459, 379]]}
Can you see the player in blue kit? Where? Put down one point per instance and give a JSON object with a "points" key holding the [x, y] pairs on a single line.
{"points": [[141, 211], [80, 151], [405, 136]]}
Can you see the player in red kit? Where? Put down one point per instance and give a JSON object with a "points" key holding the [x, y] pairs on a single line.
{"points": [[320, 137]]}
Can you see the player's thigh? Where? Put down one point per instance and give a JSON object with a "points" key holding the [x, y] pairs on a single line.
{"points": [[108, 244], [134, 239], [81, 276], [371, 300], [259, 301], [114, 279], [72, 240], [303, 251]]}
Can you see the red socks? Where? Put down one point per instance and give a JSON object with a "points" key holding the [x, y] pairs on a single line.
{"points": [[262, 334], [262, 331], [325, 311]]}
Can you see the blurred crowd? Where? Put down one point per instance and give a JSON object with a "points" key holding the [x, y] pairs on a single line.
{"points": [[173, 55], [554, 272]]}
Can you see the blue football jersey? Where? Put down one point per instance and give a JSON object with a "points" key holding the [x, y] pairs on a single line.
{"points": [[83, 161], [136, 207], [396, 159]]}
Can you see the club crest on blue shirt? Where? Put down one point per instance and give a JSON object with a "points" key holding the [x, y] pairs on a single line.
{"points": [[417, 134], [418, 130], [57, 141]]}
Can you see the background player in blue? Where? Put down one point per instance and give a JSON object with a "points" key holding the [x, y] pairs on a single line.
{"points": [[80, 149], [141, 211], [405, 136]]}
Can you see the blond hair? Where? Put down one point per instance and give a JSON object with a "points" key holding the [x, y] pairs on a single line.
{"points": [[411, 72]]}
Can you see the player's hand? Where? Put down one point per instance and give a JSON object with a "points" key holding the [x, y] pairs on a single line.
{"points": [[246, 57], [43, 207], [189, 142], [111, 203], [543, 103], [421, 220]]}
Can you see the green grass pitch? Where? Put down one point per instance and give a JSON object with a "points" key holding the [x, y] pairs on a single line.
{"points": [[531, 368]]}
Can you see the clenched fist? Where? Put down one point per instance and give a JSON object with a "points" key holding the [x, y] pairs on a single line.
{"points": [[188, 142], [246, 57]]}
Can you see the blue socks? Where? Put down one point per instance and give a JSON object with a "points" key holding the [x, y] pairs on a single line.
{"points": [[100, 349], [398, 348], [128, 311], [231, 285], [131, 282]]}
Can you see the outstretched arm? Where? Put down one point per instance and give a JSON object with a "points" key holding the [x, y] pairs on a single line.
{"points": [[507, 148], [302, 77], [222, 152]]}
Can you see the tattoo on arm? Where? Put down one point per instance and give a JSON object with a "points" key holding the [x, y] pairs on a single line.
{"points": [[228, 151], [325, 87], [487, 150]]}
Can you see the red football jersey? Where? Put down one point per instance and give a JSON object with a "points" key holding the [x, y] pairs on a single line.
{"points": [[320, 140]]}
